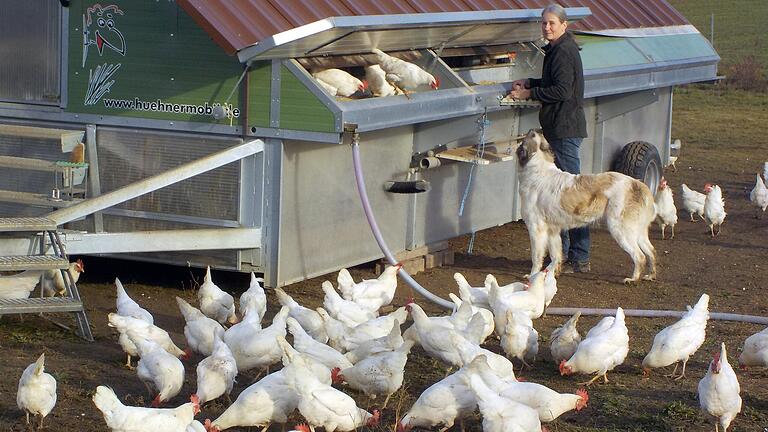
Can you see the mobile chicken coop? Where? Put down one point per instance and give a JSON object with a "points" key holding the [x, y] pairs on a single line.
{"points": [[208, 142]]}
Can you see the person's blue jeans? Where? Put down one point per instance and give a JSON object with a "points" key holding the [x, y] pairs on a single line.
{"points": [[576, 241]]}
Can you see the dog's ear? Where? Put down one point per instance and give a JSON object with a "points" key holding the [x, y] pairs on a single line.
{"points": [[543, 143]]}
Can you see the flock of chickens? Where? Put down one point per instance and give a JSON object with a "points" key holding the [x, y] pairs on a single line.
{"points": [[390, 76], [347, 343], [709, 206]]}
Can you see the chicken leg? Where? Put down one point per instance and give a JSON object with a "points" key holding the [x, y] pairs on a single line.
{"points": [[595, 378], [128, 363], [682, 375], [673, 371], [41, 422]]}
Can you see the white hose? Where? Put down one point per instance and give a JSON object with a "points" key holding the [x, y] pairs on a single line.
{"points": [[644, 313], [360, 181]]}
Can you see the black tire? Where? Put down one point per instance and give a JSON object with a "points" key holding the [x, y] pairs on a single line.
{"points": [[640, 160]]}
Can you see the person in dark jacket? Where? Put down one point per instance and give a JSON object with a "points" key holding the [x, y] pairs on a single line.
{"points": [[561, 93]]}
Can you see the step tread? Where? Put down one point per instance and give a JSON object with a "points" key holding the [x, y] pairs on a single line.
{"points": [[35, 199], [32, 262], [46, 304], [26, 224]]}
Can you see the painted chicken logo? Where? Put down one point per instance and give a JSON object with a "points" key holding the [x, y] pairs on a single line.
{"points": [[106, 34], [99, 30]]}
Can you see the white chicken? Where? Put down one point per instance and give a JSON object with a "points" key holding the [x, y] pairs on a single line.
{"points": [[310, 320], [714, 208], [216, 373], [268, 400], [324, 406], [548, 403], [346, 311], [20, 285], [441, 404], [765, 172], [478, 296], [550, 285], [331, 90], [158, 369], [390, 342], [200, 331], [121, 418], [666, 212], [256, 348], [214, 302], [36, 393], [678, 342], [435, 337], [254, 298], [346, 84], [304, 343], [520, 339], [370, 294], [126, 306], [404, 75], [501, 414], [755, 350], [759, 197], [499, 365], [491, 281], [377, 81], [530, 301], [693, 201], [601, 352], [143, 330], [565, 339], [379, 374], [486, 317], [719, 391], [344, 338], [53, 281]]}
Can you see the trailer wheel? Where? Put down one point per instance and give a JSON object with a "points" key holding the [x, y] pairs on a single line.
{"points": [[640, 160]]}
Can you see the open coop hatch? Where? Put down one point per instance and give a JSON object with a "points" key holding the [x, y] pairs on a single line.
{"points": [[440, 43]]}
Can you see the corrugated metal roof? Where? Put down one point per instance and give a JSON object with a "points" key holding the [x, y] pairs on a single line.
{"points": [[238, 24]]}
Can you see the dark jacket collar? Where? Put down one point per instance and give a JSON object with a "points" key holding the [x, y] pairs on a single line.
{"points": [[567, 36]]}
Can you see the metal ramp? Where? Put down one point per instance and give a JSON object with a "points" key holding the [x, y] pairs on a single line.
{"points": [[58, 260]]}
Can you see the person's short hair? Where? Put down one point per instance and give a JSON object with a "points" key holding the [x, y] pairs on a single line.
{"points": [[556, 10]]}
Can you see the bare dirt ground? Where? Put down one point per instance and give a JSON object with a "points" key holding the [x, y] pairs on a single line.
{"points": [[730, 268]]}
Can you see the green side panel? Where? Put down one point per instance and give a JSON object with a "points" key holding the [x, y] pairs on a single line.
{"points": [[299, 107], [675, 47], [259, 94], [146, 59], [598, 52]]}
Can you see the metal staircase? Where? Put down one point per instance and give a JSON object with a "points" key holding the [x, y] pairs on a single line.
{"points": [[50, 241]]}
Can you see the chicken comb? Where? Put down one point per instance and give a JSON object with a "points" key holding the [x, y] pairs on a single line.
{"points": [[582, 393], [303, 427], [336, 376]]}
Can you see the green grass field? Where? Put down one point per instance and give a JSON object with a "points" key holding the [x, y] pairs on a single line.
{"points": [[740, 26], [709, 118]]}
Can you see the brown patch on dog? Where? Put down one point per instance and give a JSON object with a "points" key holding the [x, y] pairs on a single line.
{"points": [[636, 199], [586, 197]]}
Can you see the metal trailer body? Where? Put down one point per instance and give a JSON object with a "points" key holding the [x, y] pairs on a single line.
{"points": [[281, 198]]}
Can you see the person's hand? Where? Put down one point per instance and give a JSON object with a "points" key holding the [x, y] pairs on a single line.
{"points": [[519, 84], [520, 94]]}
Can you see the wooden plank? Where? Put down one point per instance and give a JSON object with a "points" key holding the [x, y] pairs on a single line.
{"points": [[471, 154]]}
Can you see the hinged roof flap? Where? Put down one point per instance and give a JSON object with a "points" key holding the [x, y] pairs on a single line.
{"points": [[358, 34]]}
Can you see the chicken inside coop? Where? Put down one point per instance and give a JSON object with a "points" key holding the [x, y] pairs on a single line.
{"points": [[378, 74]]}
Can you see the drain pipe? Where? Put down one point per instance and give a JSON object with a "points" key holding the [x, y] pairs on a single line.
{"points": [[645, 313], [360, 180]]}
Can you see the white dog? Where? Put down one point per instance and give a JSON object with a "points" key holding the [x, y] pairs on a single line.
{"points": [[553, 200]]}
